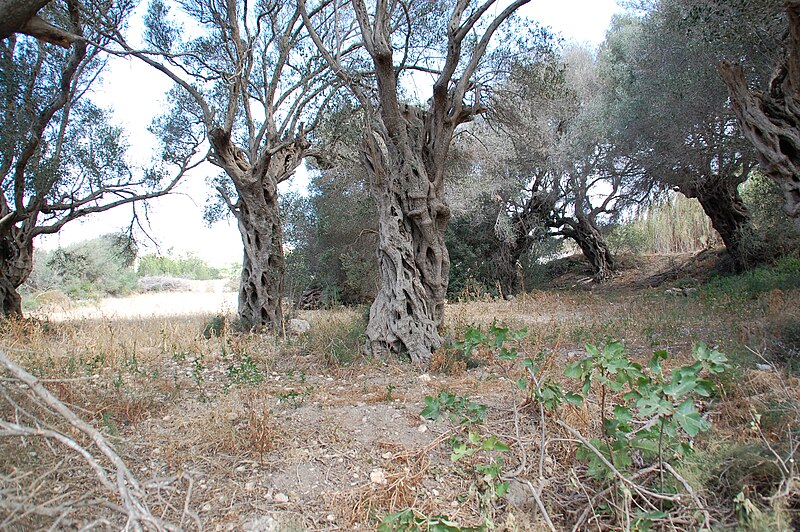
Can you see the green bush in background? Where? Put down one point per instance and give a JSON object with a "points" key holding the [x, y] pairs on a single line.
{"points": [[88, 269], [185, 267]]}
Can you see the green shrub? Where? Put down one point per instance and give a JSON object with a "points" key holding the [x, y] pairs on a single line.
{"points": [[88, 269], [766, 204], [186, 267], [734, 289]]}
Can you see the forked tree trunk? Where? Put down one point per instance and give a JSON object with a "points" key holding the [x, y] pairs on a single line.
{"points": [[257, 212], [413, 261], [771, 120], [16, 264], [594, 247], [730, 218]]}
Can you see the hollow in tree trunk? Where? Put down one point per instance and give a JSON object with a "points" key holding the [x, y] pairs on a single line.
{"points": [[263, 264], [16, 264], [413, 261]]}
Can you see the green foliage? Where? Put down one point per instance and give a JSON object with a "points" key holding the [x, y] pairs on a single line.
{"points": [[676, 225], [658, 409], [245, 371], [766, 203], [459, 409], [410, 521], [88, 269], [655, 412], [187, 267], [732, 290], [328, 250]]}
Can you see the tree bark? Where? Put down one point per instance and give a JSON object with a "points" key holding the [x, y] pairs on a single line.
{"points": [[508, 268], [771, 120], [729, 216], [413, 261], [593, 246], [16, 264], [263, 264], [257, 212], [20, 17]]}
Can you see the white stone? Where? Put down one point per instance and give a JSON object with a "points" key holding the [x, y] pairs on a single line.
{"points": [[298, 326], [377, 476], [281, 498]]}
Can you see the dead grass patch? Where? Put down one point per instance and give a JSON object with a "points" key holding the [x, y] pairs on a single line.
{"points": [[230, 443]]}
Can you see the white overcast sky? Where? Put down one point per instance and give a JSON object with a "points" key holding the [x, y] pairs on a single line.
{"points": [[135, 94]]}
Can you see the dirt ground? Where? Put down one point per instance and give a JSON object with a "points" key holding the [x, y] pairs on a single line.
{"points": [[245, 432]]}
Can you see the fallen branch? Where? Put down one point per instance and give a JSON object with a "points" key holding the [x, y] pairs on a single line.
{"points": [[126, 485]]}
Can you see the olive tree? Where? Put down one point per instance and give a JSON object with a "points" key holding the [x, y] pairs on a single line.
{"points": [[405, 150], [671, 109], [770, 118], [559, 175], [60, 158], [250, 83]]}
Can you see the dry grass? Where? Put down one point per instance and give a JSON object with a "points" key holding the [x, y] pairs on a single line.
{"points": [[240, 431]]}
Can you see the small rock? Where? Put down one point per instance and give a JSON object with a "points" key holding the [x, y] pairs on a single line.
{"points": [[377, 476], [519, 496], [281, 498], [763, 367], [330, 518], [298, 326], [264, 523], [422, 428], [424, 378], [387, 455]]}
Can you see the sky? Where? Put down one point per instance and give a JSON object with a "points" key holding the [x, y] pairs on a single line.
{"points": [[135, 93]]}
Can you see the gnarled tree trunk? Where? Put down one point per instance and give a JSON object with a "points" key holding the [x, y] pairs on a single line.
{"points": [[508, 268], [257, 212], [263, 264], [593, 246], [413, 261], [16, 264], [771, 120], [729, 216]]}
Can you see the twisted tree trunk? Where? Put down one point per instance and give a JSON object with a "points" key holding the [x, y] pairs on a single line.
{"points": [[257, 211], [771, 120], [593, 246], [263, 264], [16, 264], [413, 261], [508, 268]]}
